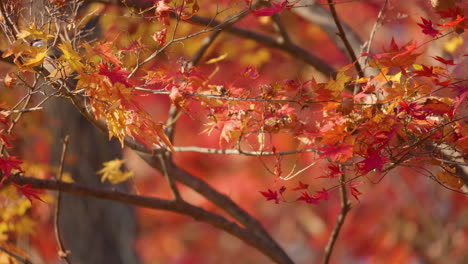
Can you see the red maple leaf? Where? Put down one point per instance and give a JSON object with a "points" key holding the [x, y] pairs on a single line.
{"points": [[335, 170], [426, 71], [9, 164], [413, 109], [306, 198], [321, 195], [395, 56], [29, 192], [374, 160], [427, 27], [337, 152], [444, 61], [301, 186], [271, 195], [354, 191], [115, 75], [452, 24]]}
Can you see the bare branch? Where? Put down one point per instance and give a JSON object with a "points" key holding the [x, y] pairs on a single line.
{"points": [[343, 37], [168, 175], [63, 253], [345, 207]]}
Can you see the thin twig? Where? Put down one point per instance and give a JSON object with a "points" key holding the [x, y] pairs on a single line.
{"points": [[16, 120], [343, 37], [367, 46], [63, 253], [15, 256], [345, 207], [170, 179]]}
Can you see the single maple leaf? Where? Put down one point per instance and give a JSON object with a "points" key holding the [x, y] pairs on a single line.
{"points": [[394, 56], [373, 161], [29, 192], [9, 164], [427, 27], [301, 186], [354, 191], [335, 170], [444, 61], [306, 198], [111, 171], [339, 152], [413, 109], [271, 195], [70, 56], [459, 19], [321, 195], [437, 107], [427, 71], [115, 75]]}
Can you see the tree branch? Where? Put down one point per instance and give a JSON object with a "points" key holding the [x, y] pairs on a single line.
{"points": [[343, 37], [180, 207], [63, 253], [345, 207]]}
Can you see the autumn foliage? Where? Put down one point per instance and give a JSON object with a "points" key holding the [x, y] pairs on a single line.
{"points": [[362, 133]]}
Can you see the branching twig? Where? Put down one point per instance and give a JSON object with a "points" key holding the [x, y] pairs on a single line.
{"points": [[345, 207]]}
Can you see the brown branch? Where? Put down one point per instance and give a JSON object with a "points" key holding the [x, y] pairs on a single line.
{"points": [[163, 160], [63, 253], [180, 207], [220, 200], [15, 256], [342, 35], [291, 49], [345, 207]]}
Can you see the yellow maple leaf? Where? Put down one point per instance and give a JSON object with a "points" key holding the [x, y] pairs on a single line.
{"points": [[33, 32], [71, 56], [35, 60], [340, 81], [111, 171]]}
